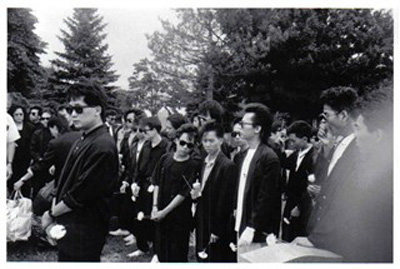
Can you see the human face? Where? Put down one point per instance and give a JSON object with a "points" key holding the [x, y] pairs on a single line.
{"points": [[18, 115], [130, 121], [170, 129], [54, 131], [184, 145], [333, 119], [148, 132], [211, 142], [196, 122], [236, 136], [34, 116], [298, 143], [365, 139], [45, 118], [111, 119], [88, 117], [248, 130], [204, 118]]}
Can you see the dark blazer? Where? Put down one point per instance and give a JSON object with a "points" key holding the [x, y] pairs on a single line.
{"points": [[215, 206], [39, 142], [57, 153], [298, 180], [262, 199], [325, 215]]}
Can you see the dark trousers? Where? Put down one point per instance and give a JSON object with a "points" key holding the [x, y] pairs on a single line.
{"points": [[172, 241], [144, 232]]}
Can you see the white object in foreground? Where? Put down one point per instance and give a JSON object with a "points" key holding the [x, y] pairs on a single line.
{"points": [[57, 232]]}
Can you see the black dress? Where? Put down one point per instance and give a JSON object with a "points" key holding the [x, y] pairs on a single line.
{"points": [[172, 233], [22, 159]]}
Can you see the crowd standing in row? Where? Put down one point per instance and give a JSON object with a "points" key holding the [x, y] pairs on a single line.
{"points": [[229, 187]]}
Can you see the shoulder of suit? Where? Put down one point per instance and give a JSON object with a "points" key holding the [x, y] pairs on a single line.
{"points": [[267, 152]]}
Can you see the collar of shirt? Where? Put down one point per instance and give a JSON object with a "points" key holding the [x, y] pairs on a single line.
{"points": [[339, 150], [84, 134], [210, 161], [304, 151]]}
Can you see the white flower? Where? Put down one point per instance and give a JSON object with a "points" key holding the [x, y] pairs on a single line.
{"points": [[133, 198], [57, 232], [203, 255], [150, 189], [311, 178], [140, 216], [233, 247], [271, 239]]}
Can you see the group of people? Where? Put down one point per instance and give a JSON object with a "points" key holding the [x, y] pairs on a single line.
{"points": [[166, 179]]}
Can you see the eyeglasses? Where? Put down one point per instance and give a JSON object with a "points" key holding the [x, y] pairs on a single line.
{"points": [[77, 109], [45, 118], [235, 134], [34, 114], [188, 144]]}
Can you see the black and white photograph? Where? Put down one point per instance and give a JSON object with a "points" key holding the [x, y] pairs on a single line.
{"points": [[199, 133]]}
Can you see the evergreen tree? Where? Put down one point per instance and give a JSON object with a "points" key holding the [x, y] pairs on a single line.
{"points": [[24, 72], [85, 55]]}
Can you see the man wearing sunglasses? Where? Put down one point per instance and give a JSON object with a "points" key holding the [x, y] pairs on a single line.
{"points": [[214, 228], [258, 209], [39, 144], [152, 150], [87, 179], [34, 116]]}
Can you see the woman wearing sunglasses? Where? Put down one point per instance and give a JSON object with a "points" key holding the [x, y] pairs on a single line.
{"points": [[173, 178]]}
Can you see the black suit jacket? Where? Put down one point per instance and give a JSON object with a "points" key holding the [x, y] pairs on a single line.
{"points": [[262, 199], [325, 214], [56, 154], [298, 180], [215, 206]]}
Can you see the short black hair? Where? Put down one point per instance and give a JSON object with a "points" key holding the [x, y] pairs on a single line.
{"points": [[262, 117], [47, 110], [13, 108], [61, 123], [138, 112], [177, 120], [110, 112], [340, 98], [301, 129], [38, 108], [92, 92], [152, 122], [212, 126], [186, 128], [214, 108], [276, 126]]}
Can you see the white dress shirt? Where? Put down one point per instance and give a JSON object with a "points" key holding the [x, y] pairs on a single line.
{"points": [[207, 169], [301, 155], [340, 148], [242, 184]]}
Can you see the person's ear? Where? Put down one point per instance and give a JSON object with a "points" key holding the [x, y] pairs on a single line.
{"points": [[98, 110], [257, 129]]}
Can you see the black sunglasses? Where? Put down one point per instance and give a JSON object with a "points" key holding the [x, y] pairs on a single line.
{"points": [[235, 134], [45, 118], [184, 143], [77, 109]]}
